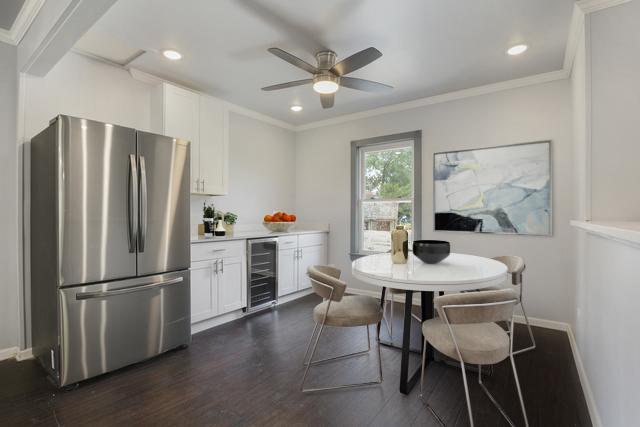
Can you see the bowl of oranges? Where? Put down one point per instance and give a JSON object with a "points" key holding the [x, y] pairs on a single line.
{"points": [[279, 222]]}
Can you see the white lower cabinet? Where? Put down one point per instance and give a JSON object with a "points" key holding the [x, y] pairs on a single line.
{"points": [[204, 301], [295, 257], [287, 271], [218, 284], [231, 296]]}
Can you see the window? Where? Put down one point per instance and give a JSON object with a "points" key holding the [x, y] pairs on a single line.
{"points": [[386, 177]]}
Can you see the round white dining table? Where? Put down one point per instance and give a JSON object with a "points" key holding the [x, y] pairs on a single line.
{"points": [[457, 272]]}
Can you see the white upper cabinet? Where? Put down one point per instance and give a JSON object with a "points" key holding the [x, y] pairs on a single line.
{"points": [[203, 120], [214, 146]]}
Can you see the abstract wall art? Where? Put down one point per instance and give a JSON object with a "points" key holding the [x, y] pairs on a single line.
{"points": [[494, 190]]}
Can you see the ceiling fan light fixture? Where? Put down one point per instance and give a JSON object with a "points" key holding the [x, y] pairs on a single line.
{"points": [[325, 84]]}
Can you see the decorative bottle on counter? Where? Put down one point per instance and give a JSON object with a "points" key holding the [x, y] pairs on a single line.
{"points": [[399, 245], [219, 230]]}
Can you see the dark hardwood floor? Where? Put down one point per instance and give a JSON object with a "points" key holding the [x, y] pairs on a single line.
{"points": [[248, 372]]}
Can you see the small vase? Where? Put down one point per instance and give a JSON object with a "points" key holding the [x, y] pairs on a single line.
{"points": [[399, 245], [229, 228]]}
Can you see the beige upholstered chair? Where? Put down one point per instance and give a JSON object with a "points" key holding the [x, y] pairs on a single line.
{"points": [[515, 267], [341, 311], [466, 331]]}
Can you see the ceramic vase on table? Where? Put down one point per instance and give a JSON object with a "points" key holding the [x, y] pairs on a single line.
{"points": [[399, 245]]}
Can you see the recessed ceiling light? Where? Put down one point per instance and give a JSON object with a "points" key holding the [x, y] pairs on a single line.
{"points": [[296, 108], [517, 49], [171, 54]]}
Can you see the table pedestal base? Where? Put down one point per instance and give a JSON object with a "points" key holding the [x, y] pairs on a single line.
{"points": [[408, 381]]}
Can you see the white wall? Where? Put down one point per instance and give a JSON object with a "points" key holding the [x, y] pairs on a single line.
{"points": [[615, 103], [606, 97], [81, 87], [261, 172], [9, 312], [532, 113], [608, 321]]}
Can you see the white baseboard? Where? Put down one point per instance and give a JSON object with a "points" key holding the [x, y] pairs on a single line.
{"points": [[15, 353], [8, 353], [584, 381]]}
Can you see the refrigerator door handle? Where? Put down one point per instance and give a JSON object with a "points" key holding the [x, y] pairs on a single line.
{"points": [[143, 205], [138, 288], [132, 201]]}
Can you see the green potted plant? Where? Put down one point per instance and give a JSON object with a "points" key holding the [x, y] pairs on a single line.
{"points": [[230, 220], [208, 214]]}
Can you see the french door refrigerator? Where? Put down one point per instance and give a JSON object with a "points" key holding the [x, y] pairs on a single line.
{"points": [[109, 247]]}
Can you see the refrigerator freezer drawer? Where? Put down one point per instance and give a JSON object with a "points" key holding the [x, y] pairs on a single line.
{"points": [[110, 325]]}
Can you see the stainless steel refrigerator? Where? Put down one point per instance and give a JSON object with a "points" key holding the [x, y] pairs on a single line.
{"points": [[109, 247]]}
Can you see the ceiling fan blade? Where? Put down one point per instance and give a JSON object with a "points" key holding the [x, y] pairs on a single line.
{"points": [[327, 99], [288, 84], [366, 85], [293, 60], [356, 61]]}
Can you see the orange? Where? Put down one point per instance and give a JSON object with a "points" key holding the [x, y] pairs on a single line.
{"points": [[268, 218], [292, 218]]}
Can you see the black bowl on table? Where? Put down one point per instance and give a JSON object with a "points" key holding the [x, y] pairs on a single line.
{"points": [[431, 251]]}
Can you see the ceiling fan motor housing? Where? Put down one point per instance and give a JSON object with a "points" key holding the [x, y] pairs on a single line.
{"points": [[326, 60]]}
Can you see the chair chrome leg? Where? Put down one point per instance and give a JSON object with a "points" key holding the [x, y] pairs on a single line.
{"points": [[306, 353], [533, 341], [491, 398], [343, 356], [384, 315], [466, 392], [313, 352], [391, 325], [515, 375], [312, 362], [421, 395]]}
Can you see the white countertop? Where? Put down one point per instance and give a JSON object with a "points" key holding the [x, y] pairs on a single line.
{"points": [[627, 232], [252, 234], [455, 273]]}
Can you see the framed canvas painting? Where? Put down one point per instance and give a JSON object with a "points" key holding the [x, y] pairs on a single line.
{"points": [[503, 189]]}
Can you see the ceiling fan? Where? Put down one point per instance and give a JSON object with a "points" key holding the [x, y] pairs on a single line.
{"points": [[329, 76]]}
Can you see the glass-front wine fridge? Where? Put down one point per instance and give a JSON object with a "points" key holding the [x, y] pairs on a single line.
{"points": [[262, 275]]}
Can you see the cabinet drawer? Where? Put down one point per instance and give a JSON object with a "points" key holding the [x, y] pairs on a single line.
{"points": [[214, 250], [305, 240], [287, 242]]}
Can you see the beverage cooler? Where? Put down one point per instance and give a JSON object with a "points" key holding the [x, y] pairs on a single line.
{"points": [[262, 265]]}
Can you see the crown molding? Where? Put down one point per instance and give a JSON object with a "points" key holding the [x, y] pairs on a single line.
{"points": [[23, 21], [446, 97], [590, 6], [576, 30]]}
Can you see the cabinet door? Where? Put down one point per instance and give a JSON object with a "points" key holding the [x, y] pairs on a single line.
{"points": [[214, 147], [230, 285], [287, 274], [182, 120], [204, 304], [312, 255]]}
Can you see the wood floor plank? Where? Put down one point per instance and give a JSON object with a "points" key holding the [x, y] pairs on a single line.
{"points": [[248, 372]]}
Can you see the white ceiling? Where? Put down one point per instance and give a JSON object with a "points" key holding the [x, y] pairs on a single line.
{"points": [[429, 47], [9, 10]]}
